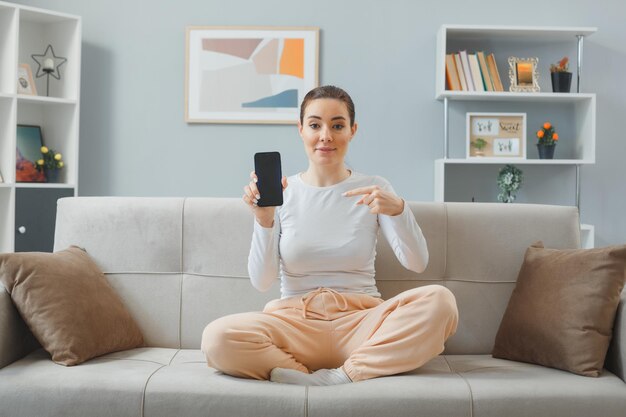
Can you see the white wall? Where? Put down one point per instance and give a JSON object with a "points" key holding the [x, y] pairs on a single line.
{"points": [[134, 140]]}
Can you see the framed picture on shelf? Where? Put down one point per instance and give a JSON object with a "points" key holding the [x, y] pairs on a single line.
{"points": [[523, 75], [29, 143], [249, 74], [496, 135], [25, 83]]}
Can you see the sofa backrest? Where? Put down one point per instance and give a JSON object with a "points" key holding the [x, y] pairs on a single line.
{"points": [[179, 263]]}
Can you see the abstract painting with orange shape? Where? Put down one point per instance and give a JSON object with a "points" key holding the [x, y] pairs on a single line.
{"points": [[254, 75], [28, 152]]}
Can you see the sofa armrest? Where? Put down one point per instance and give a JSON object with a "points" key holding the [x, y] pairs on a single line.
{"points": [[616, 356], [16, 340]]}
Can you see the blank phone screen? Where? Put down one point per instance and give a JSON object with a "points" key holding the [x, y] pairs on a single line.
{"points": [[269, 174]]}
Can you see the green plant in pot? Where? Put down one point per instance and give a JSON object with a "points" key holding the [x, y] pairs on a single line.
{"points": [[479, 144], [561, 77], [51, 164], [548, 139], [509, 180]]}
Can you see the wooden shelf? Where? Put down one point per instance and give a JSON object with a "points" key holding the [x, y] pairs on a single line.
{"points": [[514, 97], [43, 185], [44, 100], [502, 161], [518, 33]]}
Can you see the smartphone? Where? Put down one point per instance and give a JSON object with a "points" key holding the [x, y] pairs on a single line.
{"points": [[269, 175]]}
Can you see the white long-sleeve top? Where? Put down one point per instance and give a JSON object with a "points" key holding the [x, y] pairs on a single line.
{"points": [[323, 239]]}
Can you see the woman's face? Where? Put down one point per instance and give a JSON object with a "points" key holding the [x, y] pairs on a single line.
{"points": [[326, 131]]}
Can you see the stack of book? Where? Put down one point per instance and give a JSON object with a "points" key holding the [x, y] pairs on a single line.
{"points": [[472, 72]]}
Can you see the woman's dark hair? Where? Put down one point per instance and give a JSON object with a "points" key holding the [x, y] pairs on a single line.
{"points": [[328, 91]]}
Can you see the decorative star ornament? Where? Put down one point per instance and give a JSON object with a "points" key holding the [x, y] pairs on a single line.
{"points": [[53, 69]]}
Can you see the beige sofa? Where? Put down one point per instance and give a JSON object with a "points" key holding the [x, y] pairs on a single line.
{"points": [[180, 263]]}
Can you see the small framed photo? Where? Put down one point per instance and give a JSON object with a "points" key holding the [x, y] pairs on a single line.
{"points": [[29, 143], [496, 135], [25, 83], [523, 75], [249, 74]]}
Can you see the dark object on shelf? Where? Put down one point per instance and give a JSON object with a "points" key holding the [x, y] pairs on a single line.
{"points": [[561, 82], [49, 65], [52, 175], [546, 151]]}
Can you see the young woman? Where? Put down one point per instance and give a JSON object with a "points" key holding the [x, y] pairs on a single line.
{"points": [[331, 319]]}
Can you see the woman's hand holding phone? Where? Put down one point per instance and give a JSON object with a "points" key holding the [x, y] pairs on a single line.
{"points": [[264, 215]]}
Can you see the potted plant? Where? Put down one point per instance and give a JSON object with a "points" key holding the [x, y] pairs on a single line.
{"points": [[561, 77], [548, 139], [509, 180], [479, 144], [51, 163]]}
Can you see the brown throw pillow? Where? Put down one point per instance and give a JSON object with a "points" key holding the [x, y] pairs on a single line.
{"points": [[68, 304], [562, 309]]}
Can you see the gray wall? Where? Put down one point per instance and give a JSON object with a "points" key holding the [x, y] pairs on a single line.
{"points": [[134, 140]]}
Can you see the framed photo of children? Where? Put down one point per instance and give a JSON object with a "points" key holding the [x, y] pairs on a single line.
{"points": [[249, 74], [496, 135]]}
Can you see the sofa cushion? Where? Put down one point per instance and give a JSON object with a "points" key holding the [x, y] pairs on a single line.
{"points": [[187, 387], [36, 386], [68, 304], [433, 390], [561, 311], [503, 388]]}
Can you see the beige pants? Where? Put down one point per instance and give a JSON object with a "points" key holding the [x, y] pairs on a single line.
{"points": [[366, 335]]}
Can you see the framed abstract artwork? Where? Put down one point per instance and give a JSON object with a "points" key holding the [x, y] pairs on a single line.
{"points": [[28, 152], [249, 74]]}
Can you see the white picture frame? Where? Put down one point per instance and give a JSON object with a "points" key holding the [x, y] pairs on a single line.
{"points": [[503, 135], [25, 82]]}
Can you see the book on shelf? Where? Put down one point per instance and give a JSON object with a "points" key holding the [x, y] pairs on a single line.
{"points": [[466, 71], [472, 72], [495, 75], [476, 75], [459, 68], [452, 75], [484, 70]]}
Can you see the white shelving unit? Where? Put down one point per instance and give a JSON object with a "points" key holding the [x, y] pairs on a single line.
{"points": [[25, 31], [578, 108]]}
